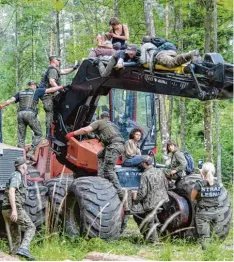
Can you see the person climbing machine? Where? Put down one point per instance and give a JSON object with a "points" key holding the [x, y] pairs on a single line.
{"points": [[113, 143], [27, 113], [51, 78]]}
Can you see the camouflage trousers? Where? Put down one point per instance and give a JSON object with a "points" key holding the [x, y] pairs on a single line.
{"points": [[105, 71], [206, 219], [170, 59], [148, 226], [23, 223], [107, 159], [47, 101], [28, 118]]}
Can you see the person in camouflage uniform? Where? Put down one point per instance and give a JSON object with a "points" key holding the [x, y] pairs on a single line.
{"points": [[178, 162], [152, 190], [15, 216], [51, 78], [113, 147], [27, 113], [206, 192]]}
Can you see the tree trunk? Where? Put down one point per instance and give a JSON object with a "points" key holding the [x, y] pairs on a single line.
{"points": [[183, 123], [58, 48], [116, 8], [16, 50], [149, 21], [148, 14], [208, 105], [216, 106]]}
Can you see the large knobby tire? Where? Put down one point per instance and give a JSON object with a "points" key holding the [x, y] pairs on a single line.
{"points": [[57, 193], [93, 209], [36, 201], [184, 188], [35, 204]]}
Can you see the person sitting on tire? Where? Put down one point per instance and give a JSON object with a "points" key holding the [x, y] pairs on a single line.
{"points": [[113, 143], [178, 162], [152, 190], [132, 153], [206, 192], [15, 216]]}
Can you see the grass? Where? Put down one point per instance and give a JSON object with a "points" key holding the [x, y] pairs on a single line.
{"points": [[54, 247]]}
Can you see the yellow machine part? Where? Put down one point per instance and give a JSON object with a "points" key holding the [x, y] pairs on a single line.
{"points": [[178, 69]]}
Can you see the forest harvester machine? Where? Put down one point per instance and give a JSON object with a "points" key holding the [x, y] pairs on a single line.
{"points": [[65, 172]]}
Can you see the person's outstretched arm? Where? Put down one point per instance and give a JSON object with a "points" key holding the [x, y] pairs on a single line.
{"points": [[7, 102]]}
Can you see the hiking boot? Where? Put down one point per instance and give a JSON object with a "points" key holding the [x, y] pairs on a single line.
{"points": [[25, 253]]}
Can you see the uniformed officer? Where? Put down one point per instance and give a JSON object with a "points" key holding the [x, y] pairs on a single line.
{"points": [[152, 190], [178, 161], [15, 216], [51, 78], [27, 113], [113, 147], [206, 192]]}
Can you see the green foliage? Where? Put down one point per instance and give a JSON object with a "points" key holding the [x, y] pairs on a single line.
{"points": [[54, 247]]}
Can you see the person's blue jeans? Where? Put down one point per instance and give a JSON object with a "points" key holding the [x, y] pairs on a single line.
{"points": [[134, 161]]}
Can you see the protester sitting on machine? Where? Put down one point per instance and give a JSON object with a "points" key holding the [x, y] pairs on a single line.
{"points": [[206, 192], [118, 34], [178, 162], [104, 48], [117, 60], [132, 153], [161, 52]]}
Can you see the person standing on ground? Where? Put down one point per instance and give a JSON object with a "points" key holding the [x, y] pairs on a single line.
{"points": [[152, 190], [118, 34], [27, 113], [51, 78], [113, 143], [15, 216], [178, 162], [206, 192]]}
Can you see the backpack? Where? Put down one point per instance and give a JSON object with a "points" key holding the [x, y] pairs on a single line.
{"points": [[190, 163], [162, 44], [158, 41]]}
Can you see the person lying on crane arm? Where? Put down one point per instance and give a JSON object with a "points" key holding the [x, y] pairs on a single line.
{"points": [[161, 52], [130, 54]]}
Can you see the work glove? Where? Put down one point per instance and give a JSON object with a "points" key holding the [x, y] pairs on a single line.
{"points": [[76, 66], [69, 135]]}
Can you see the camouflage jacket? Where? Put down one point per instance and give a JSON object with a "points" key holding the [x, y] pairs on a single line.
{"points": [[18, 182], [178, 161], [153, 188]]}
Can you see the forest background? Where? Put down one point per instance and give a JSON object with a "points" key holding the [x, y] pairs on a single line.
{"points": [[31, 30]]}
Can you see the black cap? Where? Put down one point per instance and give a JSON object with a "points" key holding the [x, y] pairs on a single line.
{"points": [[104, 114], [52, 57], [31, 82], [130, 49], [19, 161], [148, 160]]}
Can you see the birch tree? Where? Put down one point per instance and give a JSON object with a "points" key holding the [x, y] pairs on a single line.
{"points": [[150, 29]]}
